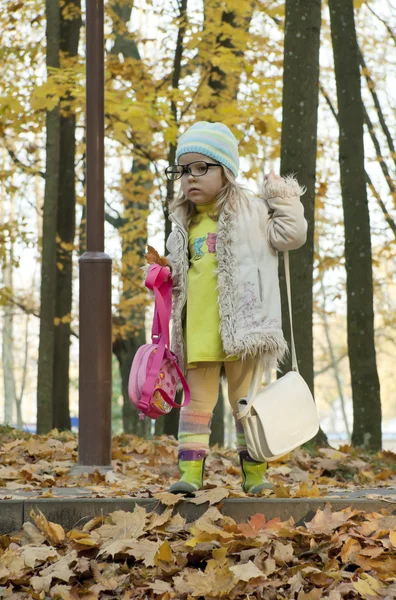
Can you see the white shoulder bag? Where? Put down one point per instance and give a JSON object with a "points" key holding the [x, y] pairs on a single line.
{"points": [[280, 417]]}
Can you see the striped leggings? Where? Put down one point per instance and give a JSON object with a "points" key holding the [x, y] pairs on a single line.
{"points": [[195, 419]]}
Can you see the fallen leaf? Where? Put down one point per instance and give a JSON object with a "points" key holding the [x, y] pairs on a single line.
{"points": [[61, 568], [392, 537], [140, 549], [315, 594], [41, 584], [246, 572], [33, 535], [283, 553], [159, 587], [349, 550], [35, 555], [62, 591], [54, 532], [281, 491], [367, 586], [212, 496], [304, 491], [164, 553], [325, 521], [169, 499]]}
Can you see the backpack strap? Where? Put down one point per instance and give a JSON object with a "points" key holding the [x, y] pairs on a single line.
{"points": [[159, 281], [149, 385], [186, 389]]}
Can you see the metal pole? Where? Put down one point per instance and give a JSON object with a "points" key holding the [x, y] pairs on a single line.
{"points": [[94, 447]]}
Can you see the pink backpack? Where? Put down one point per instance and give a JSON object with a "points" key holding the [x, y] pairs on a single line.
{"points": [[155, 372]]}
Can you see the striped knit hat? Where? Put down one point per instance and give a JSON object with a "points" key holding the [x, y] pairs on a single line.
{"points": [[212, 139]]}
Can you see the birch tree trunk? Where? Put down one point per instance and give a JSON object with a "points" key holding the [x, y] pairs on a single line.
{"points": [[48, 265], [358, 256], [7, 333]]}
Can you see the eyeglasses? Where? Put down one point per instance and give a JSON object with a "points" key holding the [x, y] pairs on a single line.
{"points": [[196, 169]]}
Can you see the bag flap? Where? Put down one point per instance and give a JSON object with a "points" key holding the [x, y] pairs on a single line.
{"points": [[287, 413]]}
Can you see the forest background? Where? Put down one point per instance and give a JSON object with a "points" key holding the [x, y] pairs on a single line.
{"points": [[168, 64]]}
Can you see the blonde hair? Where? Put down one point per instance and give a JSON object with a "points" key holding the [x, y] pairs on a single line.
{"points": [[231, 193]]}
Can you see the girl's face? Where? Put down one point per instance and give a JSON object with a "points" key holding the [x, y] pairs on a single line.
{"points": [[205, 188]]}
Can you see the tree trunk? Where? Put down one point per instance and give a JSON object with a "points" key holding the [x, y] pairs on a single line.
{"points": [[48, 265], [69, 39], [8, 325], [298, 156], [333, 360], [133, 231], [358, 258], [171, 420]]}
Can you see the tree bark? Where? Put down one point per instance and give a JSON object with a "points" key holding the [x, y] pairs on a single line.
{"points": [[133, 231], [298, 156], [8, 325], [358, 257], [171, 420], [69, 40], [333, 360], [48, 265]]}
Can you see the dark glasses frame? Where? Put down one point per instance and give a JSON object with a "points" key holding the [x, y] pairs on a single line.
{"points": [[181, 169]]}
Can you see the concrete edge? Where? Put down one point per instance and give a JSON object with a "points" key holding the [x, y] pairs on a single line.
{"points": [[75, 512]]}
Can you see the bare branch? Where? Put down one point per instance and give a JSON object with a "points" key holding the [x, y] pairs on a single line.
{"points": [[390, 30], [371, 87], [388, 218], [380, 158], [19, 163], [32, 311], [331, 365], [116, 222]]}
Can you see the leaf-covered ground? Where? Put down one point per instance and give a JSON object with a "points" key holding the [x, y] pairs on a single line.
{"points": [[138, 555], [35, 464]]}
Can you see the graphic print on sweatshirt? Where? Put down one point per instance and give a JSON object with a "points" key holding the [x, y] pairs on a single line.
{"points": [[198, 243]]}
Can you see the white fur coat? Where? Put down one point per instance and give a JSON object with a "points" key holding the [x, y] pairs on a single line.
{"points": [[248, 241]]}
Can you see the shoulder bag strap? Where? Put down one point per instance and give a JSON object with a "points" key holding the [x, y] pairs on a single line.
{"points": [[289, 301], [257, 375]]}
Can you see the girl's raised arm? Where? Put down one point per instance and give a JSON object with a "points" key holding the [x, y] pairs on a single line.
{"points": [[287, 227]]}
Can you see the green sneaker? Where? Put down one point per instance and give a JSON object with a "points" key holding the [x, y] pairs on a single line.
{"points": [[253, 475], [191, 467]]}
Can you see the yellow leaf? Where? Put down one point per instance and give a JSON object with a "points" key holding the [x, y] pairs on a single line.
{"points": [[211, 496], [164, 553], [219, 553], [52, 531], [392, 537], [169, 499], [305, 492], [281, 491], [81, 537], [367, 586]]}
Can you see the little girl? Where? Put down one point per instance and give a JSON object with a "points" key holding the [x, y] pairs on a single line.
{"points": [[223, 252]]}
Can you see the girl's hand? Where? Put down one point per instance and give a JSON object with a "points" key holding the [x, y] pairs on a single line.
{"points": [[153, 257], [272, 177]]}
